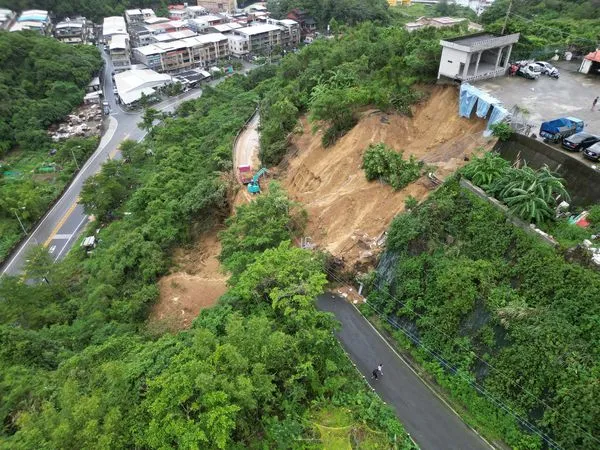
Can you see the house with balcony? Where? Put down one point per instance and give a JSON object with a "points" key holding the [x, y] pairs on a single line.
{"points": [[183, 54], [476, 57], [72, 31], [113, 26], [120, 52], [290, 31], [308, 25], [255, 39]]}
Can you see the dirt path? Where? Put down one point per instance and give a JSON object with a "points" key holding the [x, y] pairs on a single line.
{"points": [[245, 153]]}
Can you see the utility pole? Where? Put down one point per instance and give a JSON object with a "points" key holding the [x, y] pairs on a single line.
{"points": [[20, 223], [507, 14], [75, 159]]}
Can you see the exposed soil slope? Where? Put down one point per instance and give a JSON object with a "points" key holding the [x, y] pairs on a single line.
{"points": [[348, 214], [196, 283]]}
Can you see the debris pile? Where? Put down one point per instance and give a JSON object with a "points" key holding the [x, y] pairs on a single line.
{"points": [[87, 121]]}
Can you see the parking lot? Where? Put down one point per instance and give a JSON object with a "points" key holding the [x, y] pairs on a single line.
{"points": [[546, 98]]}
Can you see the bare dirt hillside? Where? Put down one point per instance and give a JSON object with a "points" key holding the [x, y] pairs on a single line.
{"points": [[196, 282], [347, 214]]}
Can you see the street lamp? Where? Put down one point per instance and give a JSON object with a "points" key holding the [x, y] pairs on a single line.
{"points": [[19, 219]]}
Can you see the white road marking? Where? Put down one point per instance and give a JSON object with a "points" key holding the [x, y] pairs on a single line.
{"points": [[69, 240], [63, 236], [51, 249]]}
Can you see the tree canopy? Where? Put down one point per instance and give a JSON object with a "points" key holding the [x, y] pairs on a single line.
{"points": [[41, 80]]}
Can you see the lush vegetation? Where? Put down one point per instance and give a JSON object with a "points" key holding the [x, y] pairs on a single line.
{"points": [[41, 80], [547, 25], [529, 194], [29, 183], [383, 163], [480, 302], [333, 78], [343, 11], [80, 367]]}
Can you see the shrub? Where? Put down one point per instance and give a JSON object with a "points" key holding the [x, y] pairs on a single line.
{"points": [[502, 131], [379, 161]]}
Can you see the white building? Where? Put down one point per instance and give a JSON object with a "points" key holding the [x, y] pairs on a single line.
{"points": [[200, 23], [131, 84], [6, 18], [255, 39], [120, 52], [113, 26], [197, 51], [71, 31], [33, 19], [476, 57], [479, 6]]}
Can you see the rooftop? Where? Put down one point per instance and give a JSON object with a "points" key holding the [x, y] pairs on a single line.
{"points": [[131, 84], [226, 27], [479, 41], [175, 35], [163, 47], [257, 29], [119, 41], [133, 12], [114, 25]]}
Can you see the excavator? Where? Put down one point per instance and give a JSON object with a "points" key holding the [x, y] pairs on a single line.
{"points": [[253, 186]]}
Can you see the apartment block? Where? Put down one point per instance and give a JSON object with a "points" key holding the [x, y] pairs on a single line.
{"points": [[174, 56], [72, 31], [215, 6]]}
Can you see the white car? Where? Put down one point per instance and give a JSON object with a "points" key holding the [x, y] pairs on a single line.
{"points": [[547, 68]]}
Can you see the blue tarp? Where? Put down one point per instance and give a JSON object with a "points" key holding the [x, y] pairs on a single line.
{"points": [[498, 114], [470, 95]]}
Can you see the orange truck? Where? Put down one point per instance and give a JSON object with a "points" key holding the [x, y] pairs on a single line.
{"points": [[245, 174]]}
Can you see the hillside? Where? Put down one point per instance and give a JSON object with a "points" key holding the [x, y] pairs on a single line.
{"points": [[347, 213]]}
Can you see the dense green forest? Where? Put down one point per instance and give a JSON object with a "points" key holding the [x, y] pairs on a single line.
{"points": [[491, 306], [547, 25], [41, 80], [82, 369], [342, 11], [333, 78]]}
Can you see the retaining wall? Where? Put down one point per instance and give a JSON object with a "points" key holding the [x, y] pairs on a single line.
{"points": [[583, 182]]}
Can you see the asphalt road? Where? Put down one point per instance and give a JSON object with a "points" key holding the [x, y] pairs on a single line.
{"points": [[426, 417], [61, 226]]}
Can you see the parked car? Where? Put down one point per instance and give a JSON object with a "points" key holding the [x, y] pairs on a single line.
{"points": [[547, 69], [579, 141], [593, 152], [525, 70]]}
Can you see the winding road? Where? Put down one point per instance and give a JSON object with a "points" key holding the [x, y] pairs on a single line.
{"points": [[62, 224], [429, 420]]}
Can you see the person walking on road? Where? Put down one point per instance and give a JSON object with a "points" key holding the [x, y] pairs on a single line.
{"points": [[594, 103], [377, 372]]}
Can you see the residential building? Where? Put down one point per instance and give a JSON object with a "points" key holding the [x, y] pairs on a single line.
{"points": [[308, 25], [113, 26], [200, 23], [177, 12], [591, 63], [72, 31], [215, 6], [142, 34], [173, 36], [120, 52], [196, 11], [133, 84], [7, 18], [133, 16], [290, 31], [255, 39], [33, 19], [225, 28], [476, 57], [196, 51]]}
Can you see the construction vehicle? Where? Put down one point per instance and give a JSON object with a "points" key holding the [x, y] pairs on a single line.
{"points": [[254, 186], [244, 174], [557, 129]]}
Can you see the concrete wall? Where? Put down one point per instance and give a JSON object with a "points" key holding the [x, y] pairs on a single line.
{"points": [[583, 182], [450, 62]]}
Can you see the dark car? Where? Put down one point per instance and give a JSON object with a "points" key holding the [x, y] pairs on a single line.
{"points": [[580, 141], [593, 152]]}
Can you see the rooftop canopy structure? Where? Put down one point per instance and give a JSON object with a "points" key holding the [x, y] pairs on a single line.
{"points": [[132, 84]]}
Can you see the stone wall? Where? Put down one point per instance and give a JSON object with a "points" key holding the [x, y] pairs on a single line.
{"points": [[583, 182]]}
